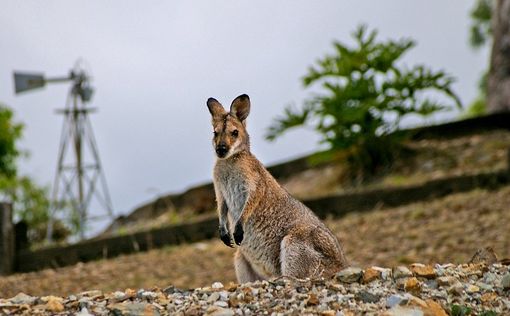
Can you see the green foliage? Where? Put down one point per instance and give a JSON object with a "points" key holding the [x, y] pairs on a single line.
{"points": [[10, 132], [476, 108], [481, 29], [30, 202], [459, 310], [365, 96]]}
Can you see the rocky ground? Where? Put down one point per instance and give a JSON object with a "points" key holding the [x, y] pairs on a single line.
{"points": [[468, 289]]}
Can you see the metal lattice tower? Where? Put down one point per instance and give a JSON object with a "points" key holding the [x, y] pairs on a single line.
{"points": [[79, 178]]}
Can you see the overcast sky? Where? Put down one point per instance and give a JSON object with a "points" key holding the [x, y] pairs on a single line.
{"points": [[154, 64]]}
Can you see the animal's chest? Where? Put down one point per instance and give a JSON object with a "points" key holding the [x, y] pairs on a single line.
{"points": [[234, 189]]}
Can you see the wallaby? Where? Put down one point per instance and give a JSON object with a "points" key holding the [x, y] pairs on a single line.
{"points": [[277, 235]]}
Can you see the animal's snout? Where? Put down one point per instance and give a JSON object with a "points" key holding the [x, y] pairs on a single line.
{"points": [[221, 150]]}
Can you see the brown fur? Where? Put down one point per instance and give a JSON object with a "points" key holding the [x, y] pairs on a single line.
{"points": [[277, 235]]}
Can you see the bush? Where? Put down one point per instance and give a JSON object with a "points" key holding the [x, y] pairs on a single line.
{"points": [[365, 96]]}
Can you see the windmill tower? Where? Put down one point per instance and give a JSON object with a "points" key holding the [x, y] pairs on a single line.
{"points": [[79, 178]]}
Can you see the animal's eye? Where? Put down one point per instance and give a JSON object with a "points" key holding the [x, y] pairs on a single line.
{"points": [[235, 133]]}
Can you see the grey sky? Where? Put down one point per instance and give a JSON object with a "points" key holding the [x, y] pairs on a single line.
{"points": [[155, 63]]}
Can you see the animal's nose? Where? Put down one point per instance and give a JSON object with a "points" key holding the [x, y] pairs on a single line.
{"points": [[221, 150]]}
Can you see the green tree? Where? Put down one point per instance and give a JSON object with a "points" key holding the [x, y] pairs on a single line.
{"points": [[30, 202], [365, 94], [480, 35]]}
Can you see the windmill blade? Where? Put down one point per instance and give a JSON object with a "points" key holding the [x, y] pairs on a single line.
{"points": [[28, 81]]}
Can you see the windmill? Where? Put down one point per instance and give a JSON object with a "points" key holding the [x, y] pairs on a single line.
{"points": [[79, 178]]}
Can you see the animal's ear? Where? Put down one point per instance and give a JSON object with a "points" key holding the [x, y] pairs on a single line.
{"points": [[215, 107], [240, 107]]}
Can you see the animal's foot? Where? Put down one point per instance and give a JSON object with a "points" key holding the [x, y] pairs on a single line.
{"points": [[238, 233], [225, 237]]}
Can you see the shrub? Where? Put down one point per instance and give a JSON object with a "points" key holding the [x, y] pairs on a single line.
{"points": [[365, 94]]}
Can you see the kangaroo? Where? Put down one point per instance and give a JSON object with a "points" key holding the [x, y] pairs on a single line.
{"points": [[277, 235]]}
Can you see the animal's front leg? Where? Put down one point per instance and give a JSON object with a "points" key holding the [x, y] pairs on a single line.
{"points": [[223, 229]]}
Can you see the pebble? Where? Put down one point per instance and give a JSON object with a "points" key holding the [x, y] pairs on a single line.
{"points": [[22, 298], [349, 275], [217, 285], [375, 291], [505, 281], [401, 272]]}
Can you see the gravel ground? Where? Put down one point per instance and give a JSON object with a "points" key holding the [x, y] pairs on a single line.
{"points": [[417, 289]]}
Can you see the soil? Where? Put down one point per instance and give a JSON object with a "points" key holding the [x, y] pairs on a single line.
{"points": [[446, 230]]}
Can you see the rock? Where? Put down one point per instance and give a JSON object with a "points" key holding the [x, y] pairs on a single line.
{"points": [[456, 288], [367, 297], [403, 311], [53, 304], [412, 285], [472, 289], [401, 272], [349, 275], [128, 309], [424, 271], [219, 311], [217, 285], [446, 280], [213, 297], [92, 294], [371, 274], [221, 304], [395, 300], [328, 313], [84, 312], [488, 297], [505, 281], [434, 309], [22, 298], [312, 300]]}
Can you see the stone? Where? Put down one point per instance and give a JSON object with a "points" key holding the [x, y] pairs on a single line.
{"points": [[312, 300], [456, 288], [92, 294], [434, 309], [416, 301], [53, 304], [412, 285], [505, 281], [22, 298], [401, 272], [488, 297], [219, 311], [217, 285], [424, 271], [367, 297], [349, 275], [403, 311], [213, 297], [371, 274], [328, 313], [84, 312], [446, 280], [472, 289], [221, 304], [395, 300]]}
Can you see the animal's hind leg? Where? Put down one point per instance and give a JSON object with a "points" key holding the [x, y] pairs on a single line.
{"points": [[299, 259], [244, 270]]}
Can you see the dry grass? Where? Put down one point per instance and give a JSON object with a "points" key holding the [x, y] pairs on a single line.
{"points": [[450, 229]]}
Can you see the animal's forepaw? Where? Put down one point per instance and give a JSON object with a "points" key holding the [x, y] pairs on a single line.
{"points": [[238, 233], [225, 237]]}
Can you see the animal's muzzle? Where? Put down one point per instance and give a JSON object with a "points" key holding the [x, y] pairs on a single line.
{"points": [[221, 150]]}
